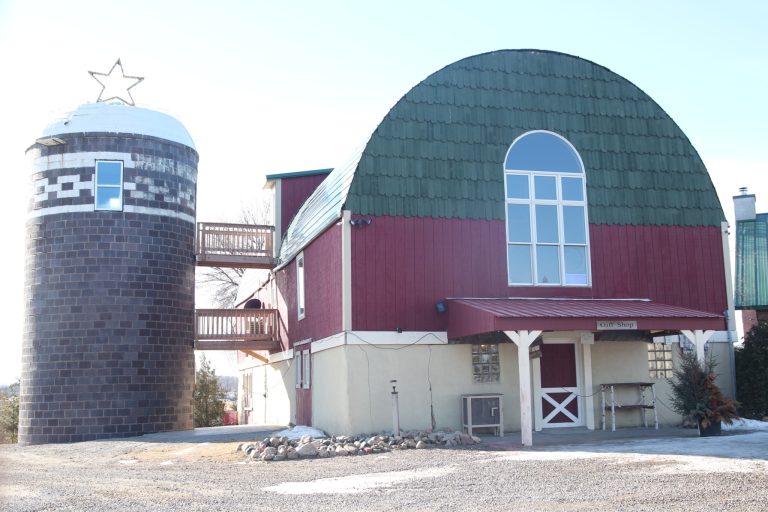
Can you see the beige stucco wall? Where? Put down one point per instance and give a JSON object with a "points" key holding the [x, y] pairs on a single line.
{"points": [[366, 406], [276, 381], [351, 389], [722, 354], [627, 361], [330, 403]]}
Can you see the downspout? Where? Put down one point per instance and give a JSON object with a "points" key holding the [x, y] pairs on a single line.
{"points": [[730, 313]]}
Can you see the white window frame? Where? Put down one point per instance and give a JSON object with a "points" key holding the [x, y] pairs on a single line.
{"points": [[97, 186], [532, 202], [306, 366], [248, 390], [300, 287], [297, 363]]}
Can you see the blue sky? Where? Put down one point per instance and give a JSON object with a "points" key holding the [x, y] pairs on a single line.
{"points": [[266, 87]]}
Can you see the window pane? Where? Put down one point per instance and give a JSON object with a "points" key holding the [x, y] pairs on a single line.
{"points": [[542, 151], [575, 265], [108, 173], [517, 186], [545, 187], [519, 222], [519, 264], [546, 224], [572, 189], [573, 225], [108, 198], [547, 264]]}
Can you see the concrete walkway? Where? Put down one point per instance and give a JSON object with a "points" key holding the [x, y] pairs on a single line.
{"points": [[213, 434], [582, 436]]}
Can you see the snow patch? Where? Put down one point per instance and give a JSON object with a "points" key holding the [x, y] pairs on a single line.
{"points": [[744, 453], [746, 424], [355, 484], [117, 118], [300, 431]]}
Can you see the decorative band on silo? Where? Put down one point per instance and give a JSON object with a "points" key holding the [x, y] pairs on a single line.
{"points": [[160, 180]]}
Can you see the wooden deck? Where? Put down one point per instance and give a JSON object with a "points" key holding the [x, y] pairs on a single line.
{"points": [[236, 329], [234, 245]]}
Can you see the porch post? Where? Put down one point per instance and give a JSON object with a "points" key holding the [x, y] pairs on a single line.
{"points": [[698, 338], [587, 340], [538, 416], [523, 340]]}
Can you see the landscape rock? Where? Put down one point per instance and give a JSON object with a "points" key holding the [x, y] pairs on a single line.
{"points": [[282, 448], [306, 450]]}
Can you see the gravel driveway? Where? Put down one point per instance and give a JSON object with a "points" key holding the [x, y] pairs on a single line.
{"points": [[677, 474]]}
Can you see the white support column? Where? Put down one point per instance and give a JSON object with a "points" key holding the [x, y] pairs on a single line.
{"points": [[346, 271], [523, 340], [538, 414], [698, 338], [278, 205], [587, 340], [731, 313]]}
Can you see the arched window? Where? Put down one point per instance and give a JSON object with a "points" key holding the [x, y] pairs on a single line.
{"points": [[546, 210]]}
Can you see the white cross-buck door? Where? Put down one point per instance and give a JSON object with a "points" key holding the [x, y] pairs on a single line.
{"points": [[559, 386]]}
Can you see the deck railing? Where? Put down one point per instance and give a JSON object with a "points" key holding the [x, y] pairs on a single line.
{"points": [[235, 324], [217, 241]]}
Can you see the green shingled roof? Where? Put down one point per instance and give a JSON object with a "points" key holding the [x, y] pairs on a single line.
{"points": [[751, 290], [439, 151]]}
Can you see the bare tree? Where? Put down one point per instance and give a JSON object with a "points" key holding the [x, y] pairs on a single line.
{"points": [[222, 282]]}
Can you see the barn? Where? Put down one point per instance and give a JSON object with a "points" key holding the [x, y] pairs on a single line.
{"points": [[526, 240]]}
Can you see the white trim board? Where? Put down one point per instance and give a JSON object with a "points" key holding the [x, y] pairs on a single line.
{"points": [[277, 357], [380, 338], [80, 208]]}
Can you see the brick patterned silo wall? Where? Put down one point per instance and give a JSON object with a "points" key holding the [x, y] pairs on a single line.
{"points": [[108, 337]]}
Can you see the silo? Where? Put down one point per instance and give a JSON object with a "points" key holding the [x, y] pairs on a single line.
{"points": [[109, 277]]}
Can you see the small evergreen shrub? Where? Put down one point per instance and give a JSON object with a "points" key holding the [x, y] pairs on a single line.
{"points": [[695, 394]]}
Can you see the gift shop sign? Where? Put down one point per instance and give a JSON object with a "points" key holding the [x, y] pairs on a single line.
{"points": [[616, 325]]}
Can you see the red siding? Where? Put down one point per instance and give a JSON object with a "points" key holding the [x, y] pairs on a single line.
{"points": [[322, 275], [294, 191], [402, 266]]}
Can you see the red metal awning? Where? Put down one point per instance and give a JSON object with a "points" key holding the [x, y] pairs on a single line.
{"points": [[469, 316]]}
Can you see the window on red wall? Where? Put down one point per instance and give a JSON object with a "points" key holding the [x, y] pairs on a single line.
{"points": [[546, 212]]}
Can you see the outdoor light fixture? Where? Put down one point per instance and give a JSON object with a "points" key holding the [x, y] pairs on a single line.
{"points": [[360, 222], [441, 307]]}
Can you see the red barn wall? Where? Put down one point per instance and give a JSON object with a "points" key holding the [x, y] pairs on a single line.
{"points": [[401, 266], [294, 191], [322, 276]]}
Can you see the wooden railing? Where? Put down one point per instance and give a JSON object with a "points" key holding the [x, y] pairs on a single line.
{"points": [[243, 245], [236, 325]]}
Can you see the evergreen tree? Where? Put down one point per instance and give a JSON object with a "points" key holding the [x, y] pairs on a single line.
{"points": [[9, 413], [752, 373], [209, 396]]}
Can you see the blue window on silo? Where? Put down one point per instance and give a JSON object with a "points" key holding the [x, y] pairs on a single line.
{"points": [[109, 185]]}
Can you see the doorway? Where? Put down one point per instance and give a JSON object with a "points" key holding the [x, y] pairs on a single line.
{"points": [[559, 386]]}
